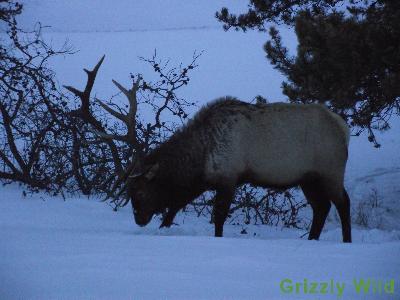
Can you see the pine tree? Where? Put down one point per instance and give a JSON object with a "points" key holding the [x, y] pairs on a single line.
{"points": [[347, 57]]}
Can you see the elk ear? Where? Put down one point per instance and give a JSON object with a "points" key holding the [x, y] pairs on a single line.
{"points": [[152, 171]]}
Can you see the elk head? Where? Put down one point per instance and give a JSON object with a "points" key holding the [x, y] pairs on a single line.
{"points": [[145, 195]]}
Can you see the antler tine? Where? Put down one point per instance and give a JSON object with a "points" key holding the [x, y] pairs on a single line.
{"points": [[74, 91], [97, 66], [137, 82], [131, 116], [85, 94], [92, 76], [130, 94], [111, 111]]}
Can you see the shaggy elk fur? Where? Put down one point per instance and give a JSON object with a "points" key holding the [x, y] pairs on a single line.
{"points": [[229, 143]]}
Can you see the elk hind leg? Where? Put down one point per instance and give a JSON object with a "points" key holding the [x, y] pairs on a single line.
{"points": [[342, 204], [320, 204]]}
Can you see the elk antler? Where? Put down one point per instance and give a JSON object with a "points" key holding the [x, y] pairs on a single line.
{"points": [[86, 115], [129, 119]]}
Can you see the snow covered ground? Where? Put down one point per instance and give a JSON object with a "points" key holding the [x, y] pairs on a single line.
{"points": [[81, 249]]}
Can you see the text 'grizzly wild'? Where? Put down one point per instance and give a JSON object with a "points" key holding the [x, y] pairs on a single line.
{"points": [[230, 142]]}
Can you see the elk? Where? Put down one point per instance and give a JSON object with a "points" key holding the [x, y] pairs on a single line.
{"points": [[229, 143]]}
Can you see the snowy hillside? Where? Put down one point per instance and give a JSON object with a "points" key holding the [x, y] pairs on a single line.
{"points": [[81, 249]]}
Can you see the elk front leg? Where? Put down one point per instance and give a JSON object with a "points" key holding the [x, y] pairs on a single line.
{"points": [[222, 203], [169, 217]]}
